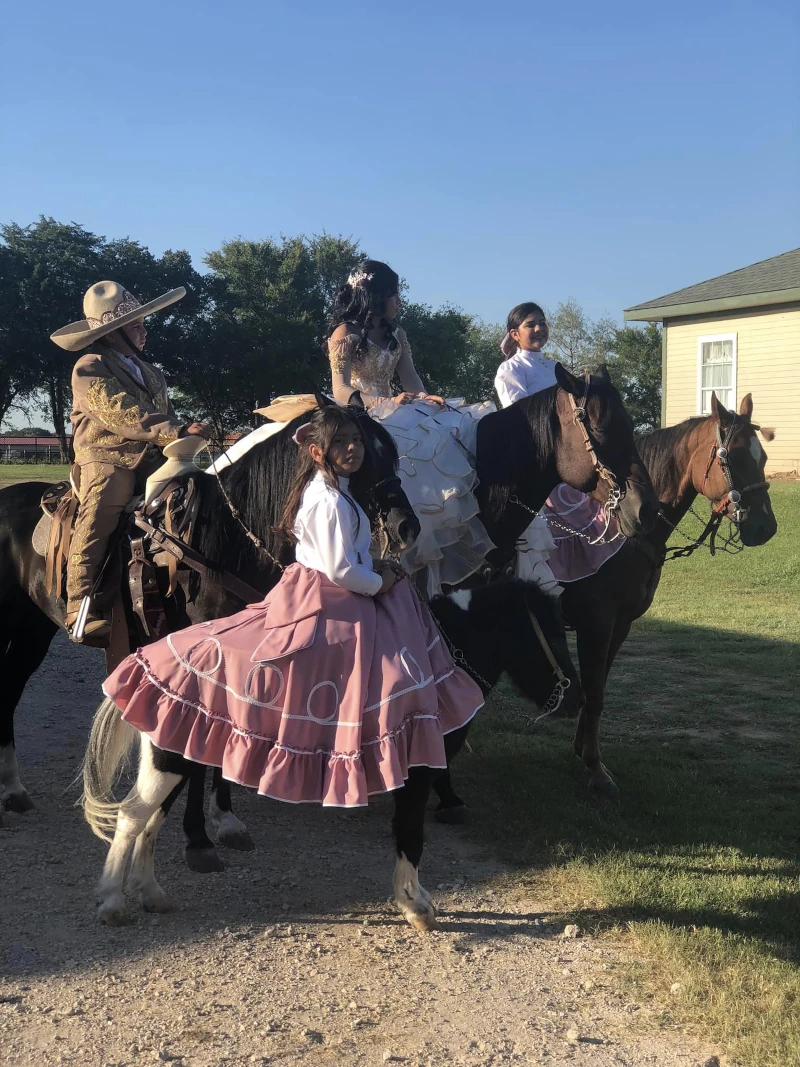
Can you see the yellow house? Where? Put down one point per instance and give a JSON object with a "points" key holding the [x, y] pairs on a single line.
{"points": [[736, 334]]}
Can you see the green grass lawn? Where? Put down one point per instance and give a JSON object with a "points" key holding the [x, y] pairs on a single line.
{"points": [[697, 861], [32, 472]]}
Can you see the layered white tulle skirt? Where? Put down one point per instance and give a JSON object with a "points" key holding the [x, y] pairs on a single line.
{"points": [[437, 470]]}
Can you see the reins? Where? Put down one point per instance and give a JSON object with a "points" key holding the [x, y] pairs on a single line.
{"points": [[615, 494]]}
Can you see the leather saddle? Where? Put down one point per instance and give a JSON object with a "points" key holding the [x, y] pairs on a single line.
{"points": [[173, 512]]}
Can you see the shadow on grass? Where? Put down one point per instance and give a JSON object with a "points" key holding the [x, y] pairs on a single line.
{"points": [[701, 736]]}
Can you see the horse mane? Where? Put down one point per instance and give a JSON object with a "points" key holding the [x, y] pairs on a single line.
{"points": [[257, 485], [521, 433], [659, 447]]}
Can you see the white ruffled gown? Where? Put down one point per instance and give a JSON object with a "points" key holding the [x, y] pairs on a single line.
{"points": [[437, 471]]}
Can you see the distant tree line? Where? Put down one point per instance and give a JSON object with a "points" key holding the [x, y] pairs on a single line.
{"points": [[252, 327]]}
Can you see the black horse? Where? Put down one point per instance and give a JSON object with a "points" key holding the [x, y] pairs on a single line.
{"points": [[685, 462], [257, 486], [576, 432], [494, 630]]}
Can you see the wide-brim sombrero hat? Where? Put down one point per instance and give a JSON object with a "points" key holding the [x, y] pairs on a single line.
{"points": [[109, 306]]}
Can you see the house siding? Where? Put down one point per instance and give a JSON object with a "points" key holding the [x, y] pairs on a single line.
{"points": [[767, 365]]}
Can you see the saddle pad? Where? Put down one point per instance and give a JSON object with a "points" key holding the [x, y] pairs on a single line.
{"points": [[41, 535]]}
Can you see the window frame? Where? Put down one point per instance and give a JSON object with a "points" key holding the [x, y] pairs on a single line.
{"points": [[704, 340]]}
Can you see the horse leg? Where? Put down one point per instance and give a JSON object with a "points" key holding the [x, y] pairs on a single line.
{"points": [[142, 877], [411, 899], [135, 813], [230, 831], [451, 808], [201, 856], [23, 646], [594, 643]]}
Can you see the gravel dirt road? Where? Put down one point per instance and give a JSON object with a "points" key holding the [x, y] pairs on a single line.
{"points": [[293, 954]]}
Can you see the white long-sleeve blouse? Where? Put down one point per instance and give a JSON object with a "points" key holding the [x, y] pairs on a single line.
{"points": [[333, 537], [522, 375]]}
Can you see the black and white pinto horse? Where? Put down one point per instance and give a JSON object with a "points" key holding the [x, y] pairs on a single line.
{"points": [[257, 486], [523, 452], [492, 629]]}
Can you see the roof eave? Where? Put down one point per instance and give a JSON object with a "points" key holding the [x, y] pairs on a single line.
{"points": [[659, 312]]}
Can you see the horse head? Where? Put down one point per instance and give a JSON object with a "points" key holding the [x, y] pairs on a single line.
{"points": [[728, 468], [595, 450]]}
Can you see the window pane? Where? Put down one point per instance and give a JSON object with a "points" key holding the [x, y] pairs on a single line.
{"points": [[717, 376], [717, 352]]}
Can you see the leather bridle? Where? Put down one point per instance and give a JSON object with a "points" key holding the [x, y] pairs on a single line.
{"points": [[731, 503], [581, 419]]}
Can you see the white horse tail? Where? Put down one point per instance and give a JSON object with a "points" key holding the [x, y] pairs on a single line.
{"points": [[110, 743]]}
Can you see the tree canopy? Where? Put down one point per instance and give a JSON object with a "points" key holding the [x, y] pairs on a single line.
{"points": [[253, 325]]}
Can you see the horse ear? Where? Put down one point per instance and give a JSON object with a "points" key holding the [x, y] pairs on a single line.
{"points": [[602, 373], [356, 401], [568, 382], [720, 413], [323, 401], [746, 406]]}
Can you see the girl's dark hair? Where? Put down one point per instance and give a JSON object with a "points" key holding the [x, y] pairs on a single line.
{"points": [[323, 426], [363, 295], [518, 314]]}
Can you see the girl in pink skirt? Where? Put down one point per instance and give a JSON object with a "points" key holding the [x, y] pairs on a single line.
{"points": [[333, 686]]}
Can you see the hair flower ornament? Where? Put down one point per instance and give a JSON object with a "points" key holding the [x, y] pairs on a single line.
{"points": [[359, 277]]}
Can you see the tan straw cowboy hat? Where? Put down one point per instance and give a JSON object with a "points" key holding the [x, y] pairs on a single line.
{"points": [[109, 306]]}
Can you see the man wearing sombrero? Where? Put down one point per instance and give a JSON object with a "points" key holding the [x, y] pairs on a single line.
{"points": [[121, 416]]}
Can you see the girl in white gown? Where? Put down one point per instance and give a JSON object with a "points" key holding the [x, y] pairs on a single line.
{"points": [[435, 438]]}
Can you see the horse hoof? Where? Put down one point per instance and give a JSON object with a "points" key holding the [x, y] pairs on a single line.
{"points": [[153, 899], [112, 912], [457, 816], [238, 839], [18, 802], [422, 923], [605, 789], [204, 860]]}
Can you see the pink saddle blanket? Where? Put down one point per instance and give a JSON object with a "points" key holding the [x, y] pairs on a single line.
{"points": [[569, 515]]}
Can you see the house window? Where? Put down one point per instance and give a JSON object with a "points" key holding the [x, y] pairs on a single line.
{"points": [[717, 371]]}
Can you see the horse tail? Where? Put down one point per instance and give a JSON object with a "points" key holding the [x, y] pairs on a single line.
{"points": [[110, 742]]}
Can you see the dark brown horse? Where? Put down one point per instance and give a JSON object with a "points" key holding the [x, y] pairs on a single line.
{"points": [[718, 457], [577, 432]]}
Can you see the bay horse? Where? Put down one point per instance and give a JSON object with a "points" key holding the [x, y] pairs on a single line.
{"points": [[257, 486], [717, 456], [577, 432], [494, 629]]}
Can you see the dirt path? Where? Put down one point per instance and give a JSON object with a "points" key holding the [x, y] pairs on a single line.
{"points": [[293, 954]]}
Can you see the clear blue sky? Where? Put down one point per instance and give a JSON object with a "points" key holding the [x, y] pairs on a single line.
{"points": [[491, 152]]}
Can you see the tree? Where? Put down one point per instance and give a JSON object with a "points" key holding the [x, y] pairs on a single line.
{"points": [[264, 325], [456, 355], [636, 371], [54, 264], [578, 342], [51, 266], [27, 431]]}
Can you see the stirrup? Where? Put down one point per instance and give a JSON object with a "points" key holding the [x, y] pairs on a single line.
{"points": [[86, 627]]}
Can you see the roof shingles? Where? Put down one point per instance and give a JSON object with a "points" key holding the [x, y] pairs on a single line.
{"points": [[770, 275]]}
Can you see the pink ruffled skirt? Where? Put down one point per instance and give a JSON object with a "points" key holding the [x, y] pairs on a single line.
{"points": [[314, 695]]}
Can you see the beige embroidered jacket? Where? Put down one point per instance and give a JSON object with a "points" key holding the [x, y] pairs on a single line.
{"points": [[114, 416]]}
